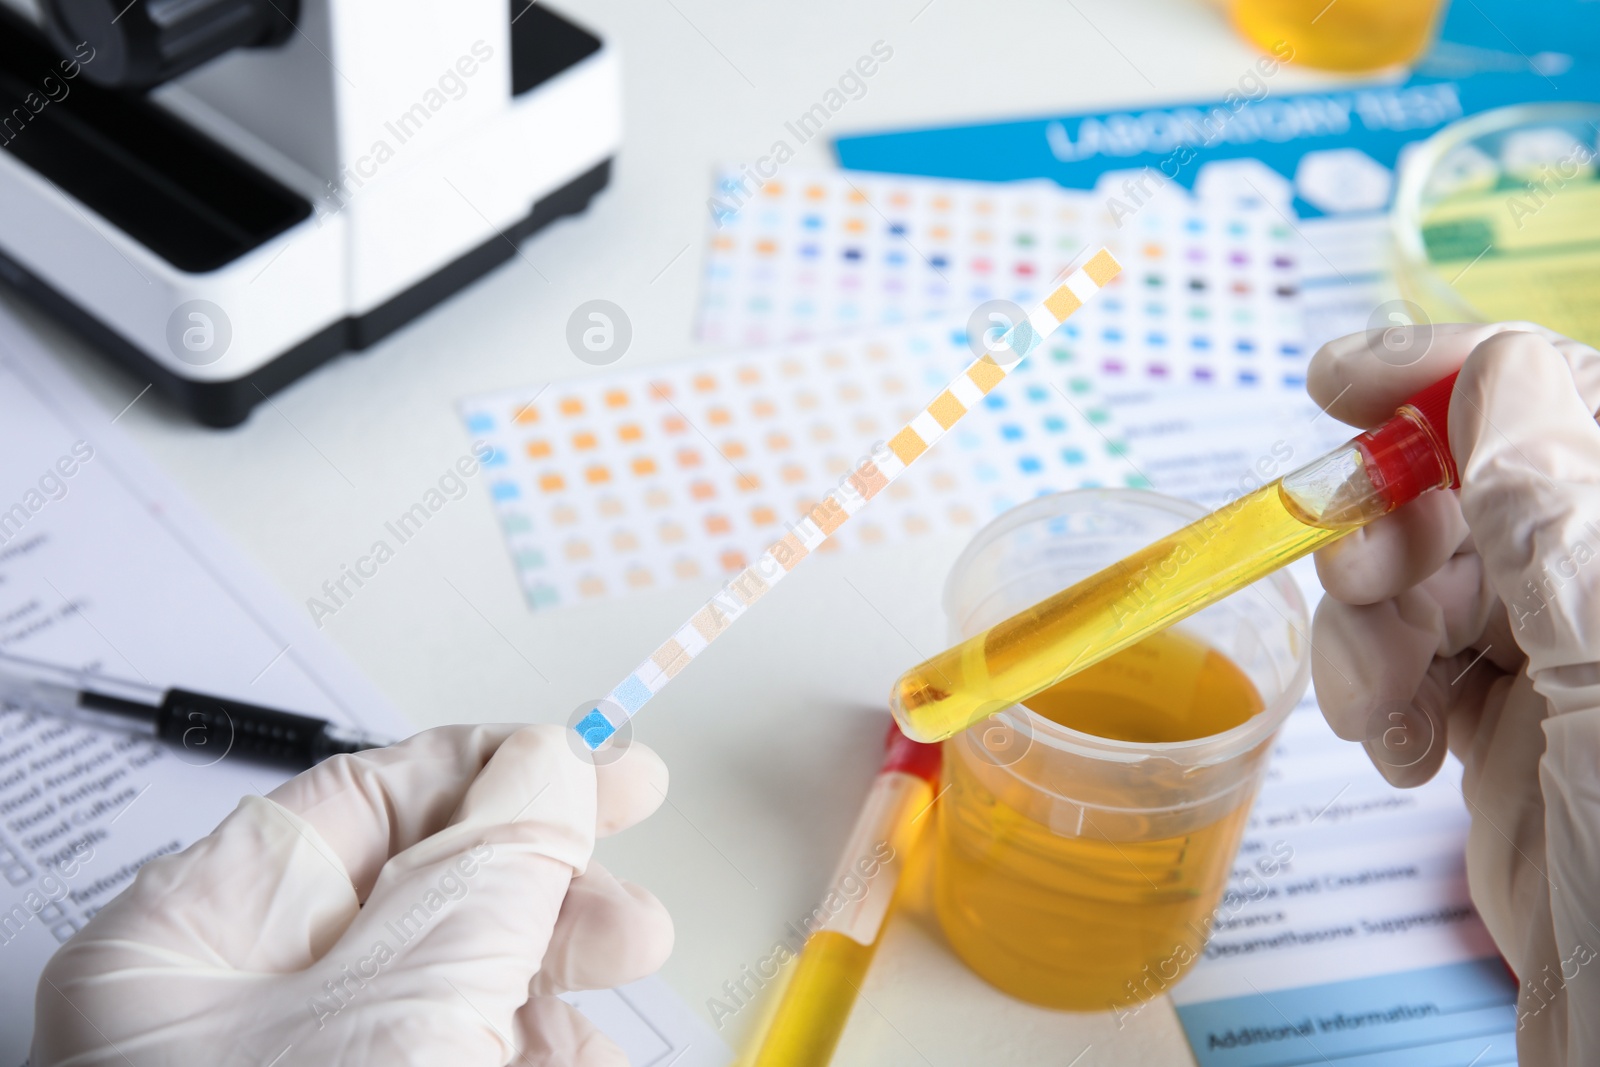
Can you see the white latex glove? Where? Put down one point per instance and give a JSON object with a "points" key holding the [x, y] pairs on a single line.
{"points": [[1508, 569], [418, 904]]}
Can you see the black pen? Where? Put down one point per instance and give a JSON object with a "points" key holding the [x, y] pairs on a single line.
{"points": [[208, 728]]}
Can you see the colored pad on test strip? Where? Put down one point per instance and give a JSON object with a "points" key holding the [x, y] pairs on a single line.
{"points": [[853, 493]]}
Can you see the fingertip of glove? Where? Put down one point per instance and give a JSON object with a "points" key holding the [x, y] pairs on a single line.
{"points": [[631, 788]]}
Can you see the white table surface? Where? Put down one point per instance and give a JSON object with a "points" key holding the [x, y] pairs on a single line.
{"points": [[772, 735]]}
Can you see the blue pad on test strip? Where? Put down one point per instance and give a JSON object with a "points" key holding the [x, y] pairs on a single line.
{"points": [[594, 728]]}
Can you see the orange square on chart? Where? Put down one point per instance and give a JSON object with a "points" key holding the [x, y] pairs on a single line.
{"points": [[610, 506], [525, 415], [899, 199], [939, 233], [623, 541], [537, 449], [834, 360], [671, 533], [866, 424], [674, 424], [578, 548], [830, 545], [732, 561], [763, 409], [702, 490], [705, 383], [871, 534], [983, 207], [686, 568], [916, 524], [822, 432], [777, 441], [644, 465], [794, 473], [722, 242], [766, 246], [805, 400], [658, 498], [629, 431], [749, 375], [941, 203], [719, 416], [734, 450], [815, 192], [688, 457], [849, 393], [583, 439], [773, 188], [616, 398], [564, 514], [571, 406], [891, 385], [899, 491], [661, 390], [718, 524], [855, 226], [592, 586], [552, 483], [747, 483], [792, 368], [597, 475], [877, 353], [639, 577], [762, 515], [857, 196]]}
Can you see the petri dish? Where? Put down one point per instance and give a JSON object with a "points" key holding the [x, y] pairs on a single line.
{"points": [[1497, 217]]}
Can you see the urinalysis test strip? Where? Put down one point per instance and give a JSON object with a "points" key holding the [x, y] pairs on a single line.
{"points": [[853, 493]]}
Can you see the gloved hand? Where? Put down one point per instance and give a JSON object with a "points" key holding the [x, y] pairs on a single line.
{"points": [[418, 904], [1474, 618]]}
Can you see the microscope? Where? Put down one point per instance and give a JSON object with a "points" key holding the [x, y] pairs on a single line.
{"points": [[221, 195]]}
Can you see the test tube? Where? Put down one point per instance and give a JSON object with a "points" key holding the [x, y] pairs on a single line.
{"points": [[1019, 657], [816, 1003]]}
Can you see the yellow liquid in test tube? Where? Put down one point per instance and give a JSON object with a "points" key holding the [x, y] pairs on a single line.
{"points": [[824, 985], [1077, 921], [1105, 613]]}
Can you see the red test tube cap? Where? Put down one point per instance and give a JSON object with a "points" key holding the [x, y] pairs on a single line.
{"points": [[1408, 459], [913, 757]]}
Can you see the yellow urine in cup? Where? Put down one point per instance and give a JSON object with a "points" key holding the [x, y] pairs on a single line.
{"points": [[1344, 35], [1106, 612], [1081, 922], [823, 988], [1517, 253]]}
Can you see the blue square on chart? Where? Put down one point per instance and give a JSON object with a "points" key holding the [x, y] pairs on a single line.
{"points": [[1054, 423], [1011, 432], [1071, 455], [1029, 465], [632, 694], [495, 458], [506, 491], [1248, 377], [1201, 343], [985, 473], [812, 222], [1037, 392], [994, 401], [1244, 344], [480, 423]]}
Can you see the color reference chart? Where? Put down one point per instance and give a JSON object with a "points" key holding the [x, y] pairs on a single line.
{"points": [[643, 479], [1213, 293]]}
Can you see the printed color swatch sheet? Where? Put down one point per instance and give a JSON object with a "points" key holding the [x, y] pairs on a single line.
{"points": [[1212, 291], [645, 478]]}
